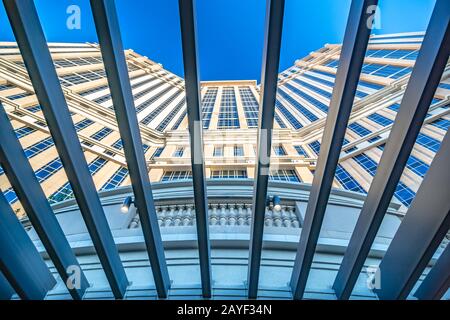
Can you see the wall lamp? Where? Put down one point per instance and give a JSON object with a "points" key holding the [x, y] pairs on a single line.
{"points": [[275, 201], [126, 204]]}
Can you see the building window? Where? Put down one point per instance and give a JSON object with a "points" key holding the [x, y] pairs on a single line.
{"points": [[404, 194], [381, 120], [288, 115], [178, 152], [301, 151], [297, 105], [316, 103], [279, 150], [163, 125], [83, 124], [284, 175], [24, 131], [10, 196], [34, 109], [367, 163], [441, 123], [229, 174], [218, 151], [116, 179], [208, 105], [417, 166], [152, 115], [347, 181], [101, 134], [359, 129], [228, 113], [428, 142], [157, 153], [250, 106], [176, 175], [39, 147], [238, 151], [315, 146]]}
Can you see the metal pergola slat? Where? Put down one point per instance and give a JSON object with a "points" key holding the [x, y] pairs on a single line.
{"points": [[36, 55], [20, 262], [32, 197], [419, 93], [437, 282], [354, 47], [6, 291], [424, 226], [108, 31], [269, 83], [194, 113]]}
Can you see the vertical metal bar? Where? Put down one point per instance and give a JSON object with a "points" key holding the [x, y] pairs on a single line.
{"points": [[193, 102], [6, 291], [108, 31], [419, 93], [437, 281], [36, 55], [354, 47], [22, 178], [269, 77], [421, 231], [20, 262]]}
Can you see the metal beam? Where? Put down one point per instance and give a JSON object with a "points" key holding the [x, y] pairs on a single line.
{"points": [[354, 47], [194, 112], [20, 262], [36, 55], [269, 82], [421, 232], [418, 95], [108, 31], [437, 281], [6, 291], [22, 178]]}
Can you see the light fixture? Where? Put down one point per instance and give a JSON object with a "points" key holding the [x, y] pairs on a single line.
{"points": [[275, 201], [126, 204]]}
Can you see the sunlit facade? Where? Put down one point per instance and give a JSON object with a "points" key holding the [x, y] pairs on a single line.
{"points": [[230, 118]]}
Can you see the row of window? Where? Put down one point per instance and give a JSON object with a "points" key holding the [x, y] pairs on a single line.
{"points": [[275, 175], [228, 112]]}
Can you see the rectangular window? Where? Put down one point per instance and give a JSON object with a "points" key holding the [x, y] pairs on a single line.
{"points": [[208, 105], [250, 105], [116, 179], [381, 120], [228, 113], [178, 152], [238, 151], [404, 194], [315, 146], [347, 181], [284, 175], [229, 174], [24, 131], [101, 134], [157, 153], [359, 129], [176, 175], [279, 150], [218, 151], [301, 151]]}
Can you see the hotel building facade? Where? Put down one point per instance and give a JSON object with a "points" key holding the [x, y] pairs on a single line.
{"points": [[230, 119]]}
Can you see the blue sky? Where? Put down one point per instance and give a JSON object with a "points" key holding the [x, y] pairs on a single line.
{"points": [[230, 32]]}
